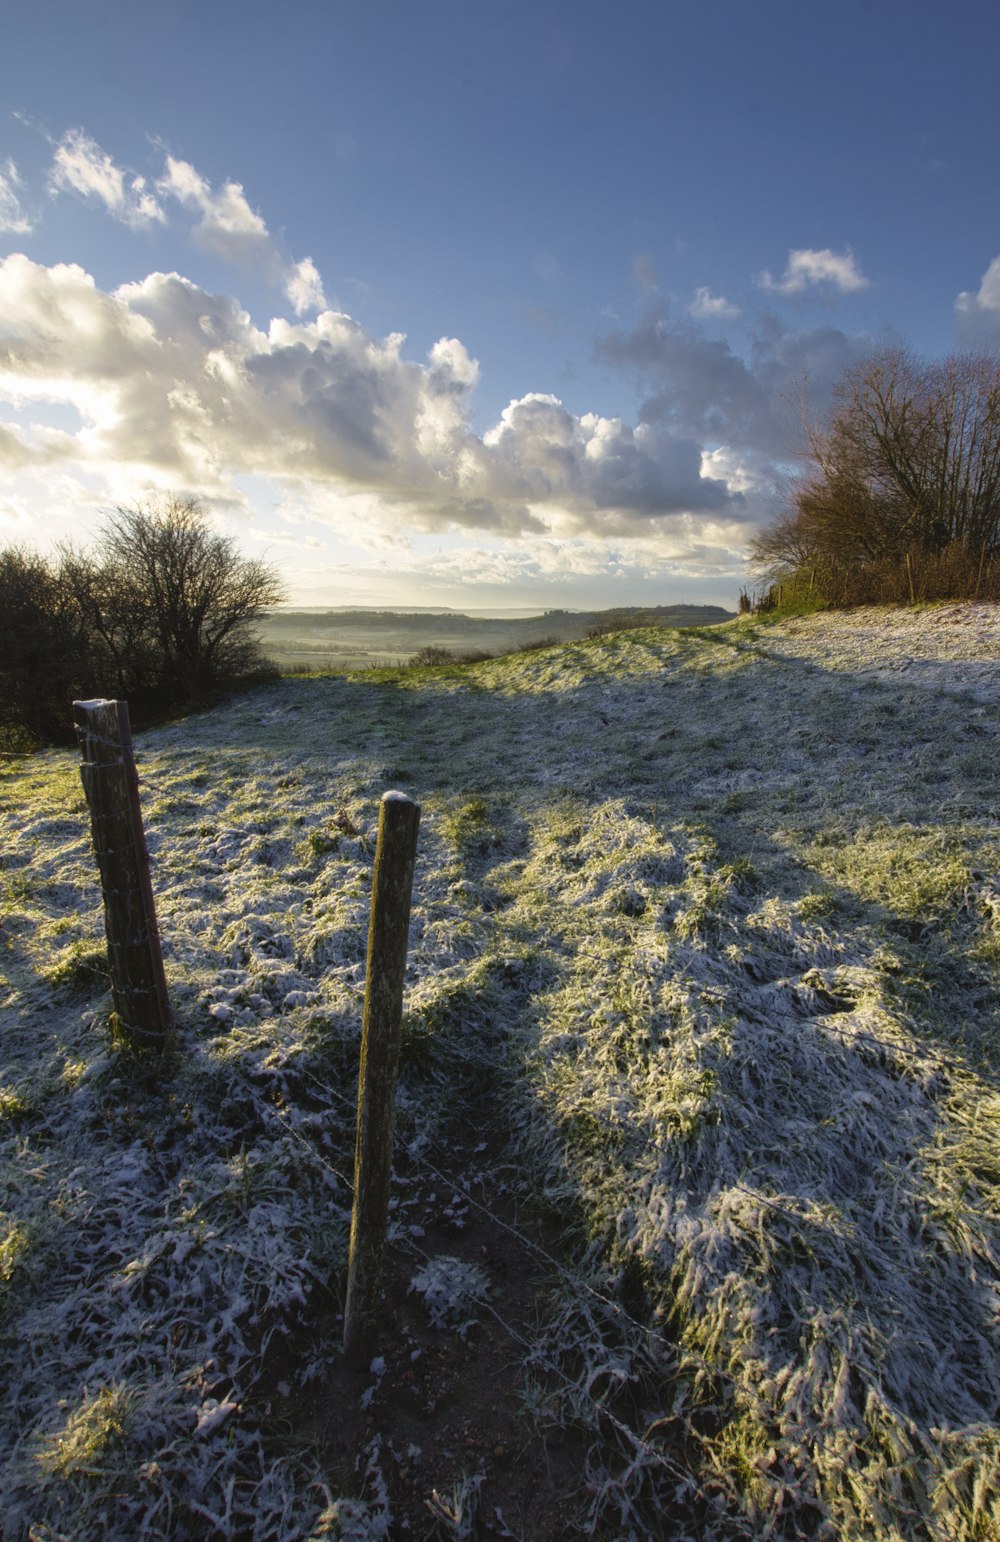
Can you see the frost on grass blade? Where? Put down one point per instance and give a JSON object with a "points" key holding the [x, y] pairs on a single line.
{"points": [[714, 925], [451, 1289]]}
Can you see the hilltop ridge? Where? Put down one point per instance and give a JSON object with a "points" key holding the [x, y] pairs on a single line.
{"points": [[349, 638], [696, 1188]]}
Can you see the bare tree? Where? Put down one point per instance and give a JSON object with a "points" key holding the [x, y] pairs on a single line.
{"points": [[908, 461], [175, 602]]}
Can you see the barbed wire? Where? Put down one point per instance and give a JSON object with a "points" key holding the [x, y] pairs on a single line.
{"points": [[85, 734], [538, 1356], [682, 1356]]}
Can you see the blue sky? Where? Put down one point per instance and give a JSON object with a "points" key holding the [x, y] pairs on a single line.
{"points": [[442, 303]]}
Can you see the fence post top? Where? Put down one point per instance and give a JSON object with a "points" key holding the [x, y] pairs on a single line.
{"points": [[98, 701], [398, 797]]}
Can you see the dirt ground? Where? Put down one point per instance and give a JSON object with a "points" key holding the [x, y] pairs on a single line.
{"points": [[466, 1447], [466, 1442]]}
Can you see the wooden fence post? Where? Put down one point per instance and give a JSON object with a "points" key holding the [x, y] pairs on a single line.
{"points": [[392, 886], [138, 985]]}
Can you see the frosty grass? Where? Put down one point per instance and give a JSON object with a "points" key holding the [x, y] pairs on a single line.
{"points": [[718, 913]]}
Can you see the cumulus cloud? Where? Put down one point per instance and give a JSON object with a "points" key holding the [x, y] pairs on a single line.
{"points": [[172, 378], [601, 465], [225, 222], [699, 386], [712, 307], [12, 216], [227, 226], [81, 166], [304, 287], [810, 270], [979, 314], [22, 452]]}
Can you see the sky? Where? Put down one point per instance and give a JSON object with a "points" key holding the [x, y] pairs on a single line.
{"points": [[441, 303]]}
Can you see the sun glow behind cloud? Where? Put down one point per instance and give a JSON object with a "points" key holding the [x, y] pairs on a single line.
{"points": [[176, 387], [176, 379]]}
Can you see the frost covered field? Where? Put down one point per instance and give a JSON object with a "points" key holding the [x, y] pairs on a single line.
{"points": [[710, 921]]}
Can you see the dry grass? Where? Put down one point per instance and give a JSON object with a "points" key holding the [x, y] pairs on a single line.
{"points": [[715, 915]]}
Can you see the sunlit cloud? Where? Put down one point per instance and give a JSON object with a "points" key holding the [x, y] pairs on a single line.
{"points": [[227, 226], [304, 287], [81, 166], [225, 222], [979, 314], [817, 269], [576, 572], [36, 447], [171, 377], [231, 229], [274, 538], [12, 216]]}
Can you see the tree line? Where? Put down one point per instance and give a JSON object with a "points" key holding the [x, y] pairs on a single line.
{"points": [[160, 612], [901, 496]]}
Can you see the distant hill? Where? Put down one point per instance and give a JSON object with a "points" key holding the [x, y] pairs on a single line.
{"points": [[665, 615], [351, 638]]}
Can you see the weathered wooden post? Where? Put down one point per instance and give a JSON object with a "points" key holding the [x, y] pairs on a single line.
{"points": [[138, 985], [392, 886]]}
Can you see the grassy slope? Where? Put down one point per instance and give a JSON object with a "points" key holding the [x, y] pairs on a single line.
{"points": [[735, 917]]}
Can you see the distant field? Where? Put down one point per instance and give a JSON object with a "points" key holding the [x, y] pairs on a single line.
{"points": [[359, 639]]}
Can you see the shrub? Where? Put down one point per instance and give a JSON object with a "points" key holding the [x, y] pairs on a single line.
{"points": [[433, 655], [44, 651], [161, 613]]}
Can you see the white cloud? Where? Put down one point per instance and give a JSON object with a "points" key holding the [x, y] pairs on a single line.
{"points": [[979, 313], [234, 231], [304, 287], [706, 556], [712, 307], [83, 167], [30, 451], [12, 216], [599, 472], [225, 222], [296, 542], [692, 547], [176, 382], [228, 226], [809, 269]]}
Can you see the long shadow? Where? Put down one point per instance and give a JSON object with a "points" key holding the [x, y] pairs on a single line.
{"points": [[762, 761], [737, 783]]}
